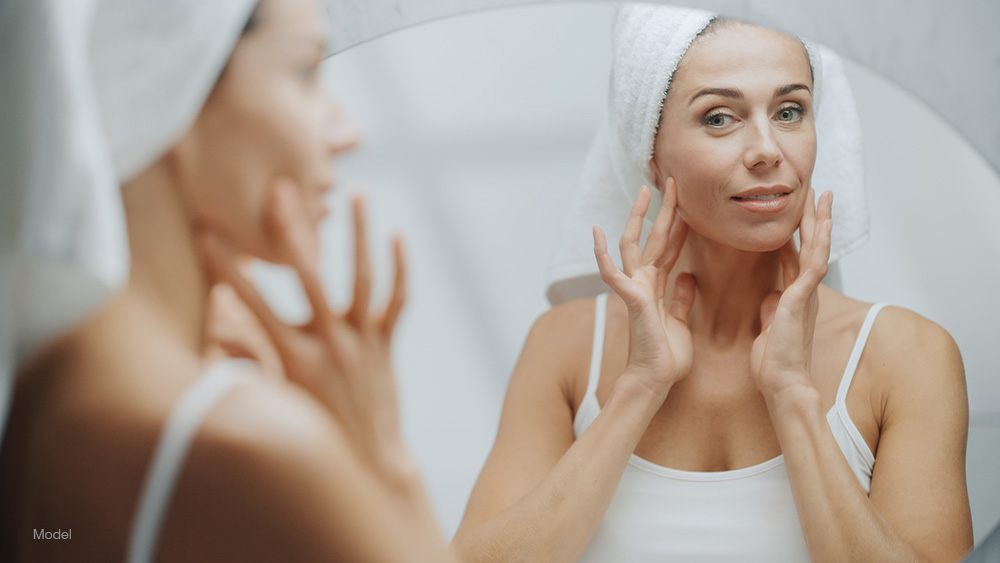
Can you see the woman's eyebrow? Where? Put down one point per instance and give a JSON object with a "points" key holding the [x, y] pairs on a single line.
{"points": [[735, 93], [778, 92], [725, 92]]}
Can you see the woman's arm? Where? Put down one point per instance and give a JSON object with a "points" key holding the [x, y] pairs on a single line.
{"points": [[541, 494], [918, 506]]}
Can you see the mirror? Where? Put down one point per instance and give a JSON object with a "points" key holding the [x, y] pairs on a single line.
{"points": [[475, 128], [929, 52]]}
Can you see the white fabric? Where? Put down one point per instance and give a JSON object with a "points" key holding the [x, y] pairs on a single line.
{"points": [[93, 91], [175, 440], [664, 514], [649, 42]]}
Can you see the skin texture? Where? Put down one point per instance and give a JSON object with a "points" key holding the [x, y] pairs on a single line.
{"points": [[304, 465], [723, 350]]}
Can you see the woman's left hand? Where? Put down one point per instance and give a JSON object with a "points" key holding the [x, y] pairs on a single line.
{"points": [[233, 330], [781, 357]]}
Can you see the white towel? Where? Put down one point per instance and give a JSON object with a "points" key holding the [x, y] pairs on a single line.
{"points": [[93, 92], [649, 42]]}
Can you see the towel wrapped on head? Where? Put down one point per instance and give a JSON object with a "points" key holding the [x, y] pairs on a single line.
{"points": [[94, 92], [648, 44]]}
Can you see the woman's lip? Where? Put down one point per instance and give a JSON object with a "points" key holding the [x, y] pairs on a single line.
{"points": [[765, 190], [764, 206]]}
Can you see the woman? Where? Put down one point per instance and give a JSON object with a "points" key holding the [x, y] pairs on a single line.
{"points": [[123, 437], [725, 410]]}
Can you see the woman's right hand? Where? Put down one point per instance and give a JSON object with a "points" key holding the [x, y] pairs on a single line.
{"points": [[660, 348], [343, 360]]}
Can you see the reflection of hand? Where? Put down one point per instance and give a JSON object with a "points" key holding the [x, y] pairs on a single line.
{"points": [[660, 348], [781, 356], [343, 360]]}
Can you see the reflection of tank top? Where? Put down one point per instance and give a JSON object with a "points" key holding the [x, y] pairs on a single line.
{"points": [[168, 459], [747, 515]]}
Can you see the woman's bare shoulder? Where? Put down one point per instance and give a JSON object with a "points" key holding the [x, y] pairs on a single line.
{"points": [[568, 321], [560, 338], [911, 345], [900, 338], [270, 424], [560, 333], [911, 359], [268, 458]]}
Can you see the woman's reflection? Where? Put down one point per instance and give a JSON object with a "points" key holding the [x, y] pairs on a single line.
{"points": [[723, 404]]}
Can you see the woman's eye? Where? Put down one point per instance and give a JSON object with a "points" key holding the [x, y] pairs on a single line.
{"points": [[717, 120], [790, 114]]}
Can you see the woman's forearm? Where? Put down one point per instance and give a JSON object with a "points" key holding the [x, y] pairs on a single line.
{"points": [[556, 519], [838, 521]]}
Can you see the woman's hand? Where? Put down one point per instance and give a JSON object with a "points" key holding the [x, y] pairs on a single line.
{"points": [[343, 360], [781, 357], [233, 330], [660, 349]]}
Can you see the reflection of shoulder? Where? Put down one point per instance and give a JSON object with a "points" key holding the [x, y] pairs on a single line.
{"points": [[904, 340], [917, 362], [566, 326], [565, 330], [557, 350]]}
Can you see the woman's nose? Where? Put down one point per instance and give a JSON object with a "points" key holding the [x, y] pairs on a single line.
{"points": [[342, 134], [763, 149]]}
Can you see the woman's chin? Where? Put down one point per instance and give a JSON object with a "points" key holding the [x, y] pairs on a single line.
{"points": [[762, 240]]}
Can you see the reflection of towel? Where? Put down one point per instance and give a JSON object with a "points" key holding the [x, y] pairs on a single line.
{"points": [[93, 92], [649, 41]]}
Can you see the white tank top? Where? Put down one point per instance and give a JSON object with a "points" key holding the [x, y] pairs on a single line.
{"points": [[178, 433], [747, 515]]}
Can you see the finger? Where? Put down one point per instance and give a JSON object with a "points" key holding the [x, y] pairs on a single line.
{"points": [[674, 246], [362, 265], [656, 243], [789, 258], [629, 244], [301, 245], [235, 330], [822, 238], [767, 310], [683, 297], [223, 263], [808, 223], [824, 211], [819, 263], [398, 298], [610, 274]]}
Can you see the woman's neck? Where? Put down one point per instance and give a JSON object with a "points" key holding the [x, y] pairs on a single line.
{"points": [[731, 285], [167, 277]]}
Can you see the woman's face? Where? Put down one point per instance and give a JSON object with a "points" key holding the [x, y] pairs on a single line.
{"points": [[268, 117], [737, 135]]}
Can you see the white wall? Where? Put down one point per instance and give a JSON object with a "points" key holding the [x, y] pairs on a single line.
{"points": [[475, 129]]}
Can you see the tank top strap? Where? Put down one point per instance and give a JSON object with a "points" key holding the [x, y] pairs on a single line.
{"points": [[168, 459], [859, 347], [597, 348]]}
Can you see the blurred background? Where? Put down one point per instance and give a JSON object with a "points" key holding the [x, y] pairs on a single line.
{"points": [[474, 131]]}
